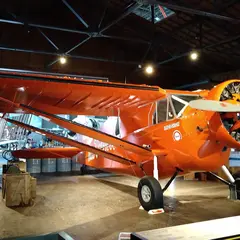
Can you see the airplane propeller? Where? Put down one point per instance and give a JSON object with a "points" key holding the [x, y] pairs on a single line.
{"points": [[231, 93], [216, 106], [229, 112]]}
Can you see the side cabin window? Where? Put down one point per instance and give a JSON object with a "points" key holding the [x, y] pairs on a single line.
{"points": [[171, 107], [163, 111]]}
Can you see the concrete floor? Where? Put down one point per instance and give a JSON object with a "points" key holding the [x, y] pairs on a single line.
{"points": [[90, 207]]}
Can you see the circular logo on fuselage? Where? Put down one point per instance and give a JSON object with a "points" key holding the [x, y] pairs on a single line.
{"points": [[177, 136]]}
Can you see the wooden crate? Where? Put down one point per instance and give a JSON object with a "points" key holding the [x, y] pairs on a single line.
{"points": [[18, 189], [189, 176]]}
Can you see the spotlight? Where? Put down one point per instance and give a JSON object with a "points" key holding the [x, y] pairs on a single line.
{"points": [[63, 60], [194, 56], [149, 69]]}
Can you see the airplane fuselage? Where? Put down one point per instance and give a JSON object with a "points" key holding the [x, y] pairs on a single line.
{"points": [[196, 141], [188, 142]]}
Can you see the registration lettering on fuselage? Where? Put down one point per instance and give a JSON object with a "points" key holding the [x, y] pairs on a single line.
{"points": [[170, 126]]}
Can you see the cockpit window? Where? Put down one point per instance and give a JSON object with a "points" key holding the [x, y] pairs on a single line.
{"points": [[171, 107], [180, 102]]}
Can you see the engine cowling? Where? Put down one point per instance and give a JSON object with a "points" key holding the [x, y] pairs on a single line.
{"points": [[226, 125]]}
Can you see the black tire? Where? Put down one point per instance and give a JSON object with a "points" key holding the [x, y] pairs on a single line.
{"points": [[237, 182], [83, 169], [236, 175], [154, 200]]}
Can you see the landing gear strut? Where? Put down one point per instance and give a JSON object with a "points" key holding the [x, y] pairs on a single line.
{"points": [[233, 184]]}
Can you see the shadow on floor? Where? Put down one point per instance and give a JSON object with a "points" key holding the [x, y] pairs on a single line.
{"points": [[119, 186], [170, 203]]}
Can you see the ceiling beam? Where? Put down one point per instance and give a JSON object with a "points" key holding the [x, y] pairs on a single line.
{"points": [[103, 14], [70, 50], [75, 13], [233, 38], [5, 48], [42, 33], [135, 40], [44, 26], [127, 11], [89, 33], [193, 11], [48, 39]]}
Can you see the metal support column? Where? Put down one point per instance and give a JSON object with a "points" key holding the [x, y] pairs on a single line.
{"points": [[155, 167]]}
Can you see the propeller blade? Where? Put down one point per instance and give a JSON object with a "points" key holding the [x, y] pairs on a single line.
{"points": [[215, 106]]}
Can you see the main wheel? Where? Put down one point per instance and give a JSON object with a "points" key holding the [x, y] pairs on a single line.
{"points": [[150, 193], [237, 182]]}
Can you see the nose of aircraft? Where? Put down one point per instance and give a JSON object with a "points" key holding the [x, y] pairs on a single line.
{"points": [[222, 106], [228, 96]]}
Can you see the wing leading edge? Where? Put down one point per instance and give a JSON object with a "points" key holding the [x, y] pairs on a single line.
{"points": [[68, 95]]}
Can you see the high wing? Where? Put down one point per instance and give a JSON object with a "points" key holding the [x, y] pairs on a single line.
{"points": [[200, 93], [46, 95], [76, 96]]}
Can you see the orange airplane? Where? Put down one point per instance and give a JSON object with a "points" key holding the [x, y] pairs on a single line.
{"points": [[150, 132]]}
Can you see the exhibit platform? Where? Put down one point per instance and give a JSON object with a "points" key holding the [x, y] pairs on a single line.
{"points": [[51, 236], [225, 228]]}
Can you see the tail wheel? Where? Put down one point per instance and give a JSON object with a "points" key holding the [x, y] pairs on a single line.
{"points": [[150, 193]]}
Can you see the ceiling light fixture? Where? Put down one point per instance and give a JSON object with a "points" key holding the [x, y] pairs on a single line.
{"points": [[194, 56], [62, 60], [149, 69]]}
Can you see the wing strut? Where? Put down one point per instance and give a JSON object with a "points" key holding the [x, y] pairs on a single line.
{"points": [[81, 129], [73, 143]]}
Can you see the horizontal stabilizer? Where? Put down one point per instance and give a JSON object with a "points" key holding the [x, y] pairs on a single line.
{"points": [[73, 143], [67, 152]]}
